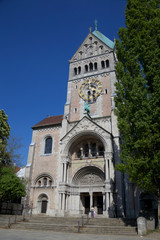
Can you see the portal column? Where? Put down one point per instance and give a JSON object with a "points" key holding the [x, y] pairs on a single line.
{"points": [[89, 149], [91, 199], [64, 201], [104, 201], [65, 168], [59, 201], [107, 204], [106, 169]]}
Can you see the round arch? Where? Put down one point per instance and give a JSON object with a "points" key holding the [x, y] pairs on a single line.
{"points": [[44, 174], [88, 175], [42, 202], [82, 134], [43, 144]]}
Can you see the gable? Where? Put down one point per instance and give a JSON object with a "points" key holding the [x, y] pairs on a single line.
{"points": [[86, 125], [94, 44]]}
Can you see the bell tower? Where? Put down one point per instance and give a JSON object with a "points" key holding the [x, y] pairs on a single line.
{"points": [[91, 78], [89, 128]]}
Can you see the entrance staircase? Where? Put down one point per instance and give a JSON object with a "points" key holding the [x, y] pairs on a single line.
{"points": [[99, 225]]}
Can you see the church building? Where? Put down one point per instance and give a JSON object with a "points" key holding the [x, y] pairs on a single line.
{"points": [[72, 157]]}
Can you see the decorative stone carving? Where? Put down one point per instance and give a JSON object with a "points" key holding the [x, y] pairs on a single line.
{"points": [[90, 179], [86, 125], [108, 155], [90, 47]]}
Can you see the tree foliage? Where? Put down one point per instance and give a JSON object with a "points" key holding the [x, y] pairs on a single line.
{"points": [[138, 93], [9, 144], [4, 135], [14, 144], [11, 187]]}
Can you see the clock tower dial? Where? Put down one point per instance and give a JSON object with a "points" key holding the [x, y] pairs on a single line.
{"points": [[90, 90]]}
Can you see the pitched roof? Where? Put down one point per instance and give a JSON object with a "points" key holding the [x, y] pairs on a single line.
{"points": [[17, 169], [103, 38], [49, 121]]}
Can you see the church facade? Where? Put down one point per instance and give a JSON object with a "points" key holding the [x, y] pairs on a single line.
{"points": [[72, 157]]}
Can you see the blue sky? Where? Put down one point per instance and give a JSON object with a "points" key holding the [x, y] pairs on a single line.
{"points": [[37, 38]]}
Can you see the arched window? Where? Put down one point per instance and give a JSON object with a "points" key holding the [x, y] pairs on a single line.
{"points": [[79, 70], [45, 182], [95, 66], [101, 151], [50, 183], [48, 145], [102, 64], [86, 150], [86, 68], [91, 66], [86, 147], [93, 150], [75, 71], [107, 63], [39, 183], [75, 110]]}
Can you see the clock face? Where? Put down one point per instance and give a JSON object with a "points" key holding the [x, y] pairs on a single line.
{"points": [[90, 90]]}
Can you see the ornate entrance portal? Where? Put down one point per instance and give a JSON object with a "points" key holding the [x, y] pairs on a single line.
{"points": [[87, 171], [97, 202], [90, 181]]}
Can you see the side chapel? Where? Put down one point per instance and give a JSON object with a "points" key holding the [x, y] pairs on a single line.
{"points": [[72, 157]]}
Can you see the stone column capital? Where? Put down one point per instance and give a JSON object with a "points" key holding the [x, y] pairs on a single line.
{"points": [[65, 159], [108, 155]]}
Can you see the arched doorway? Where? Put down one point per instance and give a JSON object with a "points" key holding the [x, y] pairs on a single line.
{"points": [[86, 167], [90, 180], [43, 200]]}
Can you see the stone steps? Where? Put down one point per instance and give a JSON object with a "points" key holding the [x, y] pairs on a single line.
{"points": [[109, 230], [6, 219], [113, 222], [59, 220], [45, 227], [103, 225]]}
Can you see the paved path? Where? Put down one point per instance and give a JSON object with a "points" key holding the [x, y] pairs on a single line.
{"points": [[12, 234]]}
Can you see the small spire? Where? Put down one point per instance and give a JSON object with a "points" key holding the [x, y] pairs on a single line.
{"points": [[95, 23], [90, 29]]}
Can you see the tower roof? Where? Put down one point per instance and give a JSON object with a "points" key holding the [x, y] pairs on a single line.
{"points": [[103, 38]]}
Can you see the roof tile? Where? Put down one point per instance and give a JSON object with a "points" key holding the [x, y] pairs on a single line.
{"points": [[54, 120]]}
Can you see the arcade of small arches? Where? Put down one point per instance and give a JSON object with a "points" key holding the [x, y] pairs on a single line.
{"points": [[91, 67], [87, 148], [43, 181]]}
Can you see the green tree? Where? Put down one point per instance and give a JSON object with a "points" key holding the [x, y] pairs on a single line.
{"points": [[4, 135], [11, 187], [14, 145], [138, 94]]}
